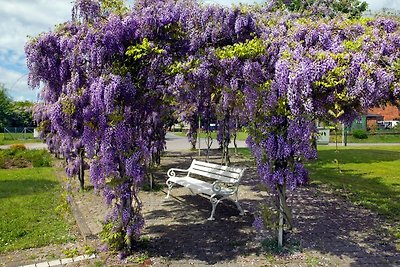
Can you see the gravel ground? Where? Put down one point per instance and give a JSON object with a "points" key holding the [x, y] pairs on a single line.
{"points": [[331, 231]]}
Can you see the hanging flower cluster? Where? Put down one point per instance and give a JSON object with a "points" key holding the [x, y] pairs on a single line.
{"points": [[104, 92]]}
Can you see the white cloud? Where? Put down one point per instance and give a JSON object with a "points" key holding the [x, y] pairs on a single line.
{"points": [[20, 98], [17, 85], [23, 17], [20, 19], [379, 4]]}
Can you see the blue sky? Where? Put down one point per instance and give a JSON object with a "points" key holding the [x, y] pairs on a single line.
{"points": [[22, 18]]}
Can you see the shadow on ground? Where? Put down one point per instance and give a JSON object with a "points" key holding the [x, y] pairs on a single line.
{"points": [[24, 187], [333, 226], [335, 231], [189, 235]]}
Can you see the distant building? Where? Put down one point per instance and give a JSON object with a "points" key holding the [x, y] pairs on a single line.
{"points": [[376, 116], [388, 117], [389, 113]]}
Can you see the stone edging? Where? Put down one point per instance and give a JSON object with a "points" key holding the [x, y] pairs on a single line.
{"points": [[61, 261]]}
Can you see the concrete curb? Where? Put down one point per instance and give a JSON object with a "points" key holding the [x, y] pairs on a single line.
{"points": [[61, 261], [81, 222]]}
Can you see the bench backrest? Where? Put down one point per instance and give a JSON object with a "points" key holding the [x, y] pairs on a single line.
{"points": [[215, 171]]}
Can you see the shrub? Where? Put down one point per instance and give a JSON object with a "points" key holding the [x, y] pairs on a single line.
{"points": [[38, 158], [360, 134], [19, 147], [2, 162], [270, 245], [18, 157], [18, 162]]}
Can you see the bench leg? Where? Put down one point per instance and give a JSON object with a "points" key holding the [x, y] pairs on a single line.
{"points": [[241, 212], [214, 202], [170, 185]]}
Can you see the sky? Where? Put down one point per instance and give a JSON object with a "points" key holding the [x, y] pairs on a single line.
{"points": [[22, 18]]}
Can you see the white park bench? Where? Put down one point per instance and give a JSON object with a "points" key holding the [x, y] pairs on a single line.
{"points": [[226, 182]]}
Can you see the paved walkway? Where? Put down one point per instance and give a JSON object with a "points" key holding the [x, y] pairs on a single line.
{"points": [[28, 146], [180, 143], [174, 143]]}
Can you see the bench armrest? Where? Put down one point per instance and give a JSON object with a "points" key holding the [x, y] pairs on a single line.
{"points": [[171, 172], [229, 188]]}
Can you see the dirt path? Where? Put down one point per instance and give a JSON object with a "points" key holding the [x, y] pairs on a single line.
{"points": [[331, 231]]}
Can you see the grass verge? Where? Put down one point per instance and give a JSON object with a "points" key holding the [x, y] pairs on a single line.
{"points": [[19, 157], [377, 138], [369, 175], [18, 138], [29, 199]]}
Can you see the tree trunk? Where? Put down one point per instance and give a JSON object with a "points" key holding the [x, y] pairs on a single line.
{"points": [[285, 213], [193, 134], [234, 141], [226, 140], [151, 178], [280, 224], [198, 135], [81, 174], [209, 143], [235, 135]]}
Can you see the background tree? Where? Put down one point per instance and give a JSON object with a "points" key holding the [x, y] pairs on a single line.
{"points": [[352, 8], [14, 113], [22, 114], [5, 107]]}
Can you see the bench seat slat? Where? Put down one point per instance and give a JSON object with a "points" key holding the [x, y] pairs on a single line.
{"points": [[216, 166], [218, 172], [213, 176], [196, 185]]}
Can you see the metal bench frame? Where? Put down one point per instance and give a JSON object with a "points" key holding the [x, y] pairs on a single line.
{"points": [[226, 182]]}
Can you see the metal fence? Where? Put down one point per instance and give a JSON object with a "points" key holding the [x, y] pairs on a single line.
{"points": [[18, 133]]}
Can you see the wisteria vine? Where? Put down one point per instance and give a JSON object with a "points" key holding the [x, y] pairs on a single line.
{"points": [[112, 79]]}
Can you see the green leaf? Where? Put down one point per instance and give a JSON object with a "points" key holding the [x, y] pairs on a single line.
{"points": [[247, 50]]}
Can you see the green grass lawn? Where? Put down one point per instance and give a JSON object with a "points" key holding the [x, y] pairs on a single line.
{"points": [[368, 175], [29, 198], [18, 138], [381, 138]]}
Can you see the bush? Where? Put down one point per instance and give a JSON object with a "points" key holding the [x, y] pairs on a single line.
{"points": [[360, 134], [18, 147], [38, 158], [18, 157], [2, 162], [270, 245]]}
